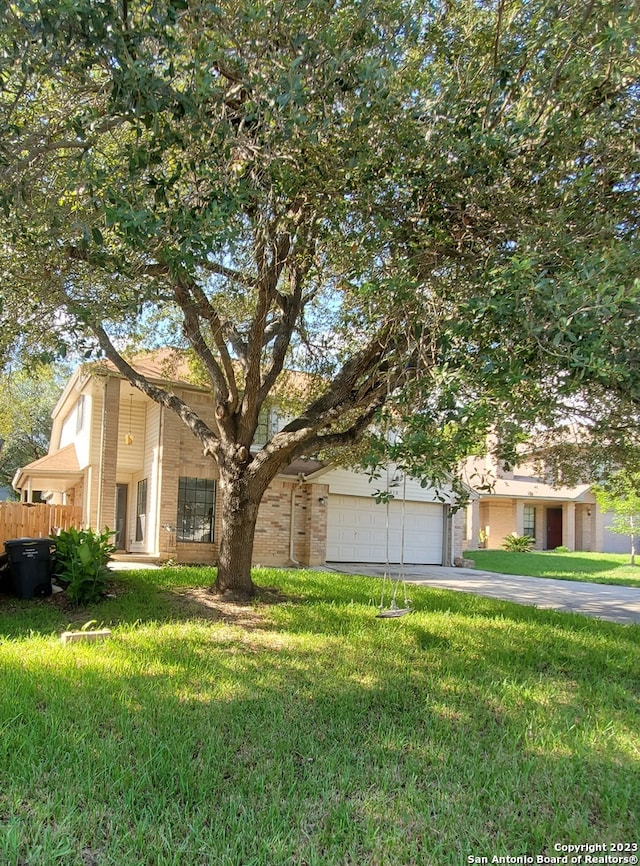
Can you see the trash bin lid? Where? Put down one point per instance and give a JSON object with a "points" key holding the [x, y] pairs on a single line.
{"points": [[26, 542]]}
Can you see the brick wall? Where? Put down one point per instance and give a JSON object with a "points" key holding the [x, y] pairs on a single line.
{"points": [[315, 534], [272, 540], [273, 530], [107, 516], [181, 455], [500, 519], [458, 519]]}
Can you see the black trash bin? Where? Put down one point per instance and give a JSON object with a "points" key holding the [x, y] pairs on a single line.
{"points": [[30, 562], [5, 574]]}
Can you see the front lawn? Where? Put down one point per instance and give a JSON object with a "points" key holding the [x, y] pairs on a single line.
{"points": [[303, 730], [583, 566]]}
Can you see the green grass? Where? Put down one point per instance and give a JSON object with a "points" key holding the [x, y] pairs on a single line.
{"points": [[303, 730], [582, 566]]}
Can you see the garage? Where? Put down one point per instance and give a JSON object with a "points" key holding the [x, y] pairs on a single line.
{"points": [[356, 531]]}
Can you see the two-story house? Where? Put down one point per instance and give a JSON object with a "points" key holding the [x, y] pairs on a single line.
{"points": [[518, 501], [133, 466]]}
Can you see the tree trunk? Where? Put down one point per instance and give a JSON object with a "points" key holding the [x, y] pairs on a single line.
{"points": [[239, 501]]}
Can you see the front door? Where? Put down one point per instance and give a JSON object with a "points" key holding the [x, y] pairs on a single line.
{"points": [[554, 528], [121, 516]]}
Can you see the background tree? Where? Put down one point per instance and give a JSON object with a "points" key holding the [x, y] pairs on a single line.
{"points": [[432, 209], [620, 493], [27, 398]]}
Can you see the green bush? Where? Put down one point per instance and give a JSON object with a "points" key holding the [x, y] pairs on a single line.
{"points": [[518, 543], [81, 562]]}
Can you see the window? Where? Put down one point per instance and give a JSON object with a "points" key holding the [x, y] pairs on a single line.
{"points": [[80, 413], [529, 521], [141, 509], [270, 421], [196, 509], [265, 428]]}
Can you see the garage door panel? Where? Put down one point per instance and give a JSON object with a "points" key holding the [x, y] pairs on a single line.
{"points": [[357, 531]]}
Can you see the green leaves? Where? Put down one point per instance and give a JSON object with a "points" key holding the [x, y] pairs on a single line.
{"points": [[80, 562], [518, 543], [466, 173]]}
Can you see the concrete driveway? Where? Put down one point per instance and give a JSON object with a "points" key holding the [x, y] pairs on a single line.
{"points": [[616, 603]]}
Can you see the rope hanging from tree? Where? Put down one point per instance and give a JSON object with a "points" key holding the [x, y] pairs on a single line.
{"points": [[394, 583]]}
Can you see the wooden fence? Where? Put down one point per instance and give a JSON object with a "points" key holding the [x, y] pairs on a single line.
{"points": [[21, 520]]}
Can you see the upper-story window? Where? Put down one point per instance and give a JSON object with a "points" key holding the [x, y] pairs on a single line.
{"points": [[75, 421], [268, 424], [80, 412], [270, 420]]}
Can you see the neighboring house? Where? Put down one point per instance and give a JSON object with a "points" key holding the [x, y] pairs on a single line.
{"points": [[135, 467], [520, 502]]}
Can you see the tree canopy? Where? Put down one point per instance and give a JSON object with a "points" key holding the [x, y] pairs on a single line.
{"points": [[429, 207]]}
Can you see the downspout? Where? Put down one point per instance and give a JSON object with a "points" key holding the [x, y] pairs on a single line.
{"points": [[294, 490]]}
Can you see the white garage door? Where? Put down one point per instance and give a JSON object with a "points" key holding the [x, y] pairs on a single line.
{"points": [[356, 531]]}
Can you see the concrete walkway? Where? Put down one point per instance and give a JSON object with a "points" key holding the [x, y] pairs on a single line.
{"points": [[616, 603]]}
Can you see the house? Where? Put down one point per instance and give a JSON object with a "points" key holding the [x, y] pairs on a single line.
{"points": [[520, 501], [133, 466]]}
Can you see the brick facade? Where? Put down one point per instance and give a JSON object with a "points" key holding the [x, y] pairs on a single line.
{"points": [[458, 534], [276, 542], [181, 455]]}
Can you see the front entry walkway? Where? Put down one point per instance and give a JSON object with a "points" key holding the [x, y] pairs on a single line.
{"points": [[616, 603]]}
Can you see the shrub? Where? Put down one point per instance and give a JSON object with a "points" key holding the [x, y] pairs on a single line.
{"points": [[518, 543], [81, 562]]}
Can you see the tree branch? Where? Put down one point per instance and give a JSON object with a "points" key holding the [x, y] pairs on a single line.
{"points": [[342, 390], [202, 431], [239, 277], [210, 315], [344, 437], [194, 334], [563, 60]]}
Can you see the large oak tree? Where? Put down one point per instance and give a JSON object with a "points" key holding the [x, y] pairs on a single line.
{"points": [[427, 207]]}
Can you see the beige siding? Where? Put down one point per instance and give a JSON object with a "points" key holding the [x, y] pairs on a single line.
{"points": [[145, 425]]}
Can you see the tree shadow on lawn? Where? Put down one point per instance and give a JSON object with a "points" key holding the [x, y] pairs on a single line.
{"points": [[346, 762], [134, 597], [300, 601], [321, 595]]}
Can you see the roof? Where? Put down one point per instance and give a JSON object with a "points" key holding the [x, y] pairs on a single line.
{"points": [[51, 466], [303, 466], [173, 365], [180, 367], [532, 489]]}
